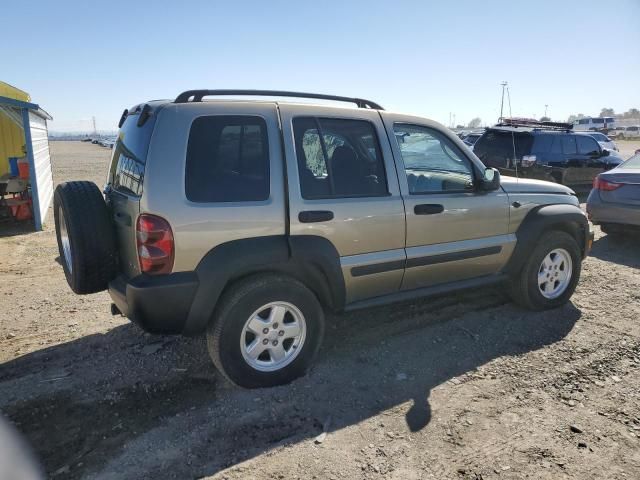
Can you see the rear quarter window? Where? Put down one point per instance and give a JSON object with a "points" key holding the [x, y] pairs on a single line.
{"points": [[129, 158], [227, 160]]}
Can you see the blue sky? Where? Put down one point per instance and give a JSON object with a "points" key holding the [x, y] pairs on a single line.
{"points": [[80, 59]]}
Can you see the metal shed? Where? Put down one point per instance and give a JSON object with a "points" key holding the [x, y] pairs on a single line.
{"points": [[25, 123]]}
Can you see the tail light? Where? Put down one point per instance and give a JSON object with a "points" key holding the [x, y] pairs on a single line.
{"points": [[155, 244], [601, 184]]}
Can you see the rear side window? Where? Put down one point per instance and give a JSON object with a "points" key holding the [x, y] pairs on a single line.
{"points": [[496, 148], [129, 159], [338, 158], [587, 145], [542, 144], [569, 144], [227, 160]]}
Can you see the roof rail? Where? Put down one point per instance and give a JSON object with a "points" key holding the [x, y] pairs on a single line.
{"points": [[197, 95], [526, 122]]}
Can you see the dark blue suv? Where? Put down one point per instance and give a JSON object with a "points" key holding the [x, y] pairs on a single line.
{"points": [[544, 151]]}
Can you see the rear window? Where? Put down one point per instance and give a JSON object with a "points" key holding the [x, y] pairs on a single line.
{"points": [[495, 148], [633, 162], [227, 160], [126, 174]]}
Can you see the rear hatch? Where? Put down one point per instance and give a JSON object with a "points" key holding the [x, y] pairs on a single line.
{"points": [[498, 148], [125, 182]]}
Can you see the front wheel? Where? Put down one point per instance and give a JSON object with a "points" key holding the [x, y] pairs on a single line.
{"points": [[266, 331], [550, 275]]}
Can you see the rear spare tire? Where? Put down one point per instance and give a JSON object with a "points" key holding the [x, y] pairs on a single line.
{"points": [[86, 237]]}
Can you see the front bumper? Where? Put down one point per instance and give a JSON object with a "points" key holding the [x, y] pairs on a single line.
{"points": [[159, 304]]}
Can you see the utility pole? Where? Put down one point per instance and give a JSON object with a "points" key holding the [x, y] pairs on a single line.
{"points": [[504, 84], [95, 131], [545, 109]]}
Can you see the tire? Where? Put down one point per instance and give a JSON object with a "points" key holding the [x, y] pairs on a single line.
{"points": [[525, 290], [612, 229], [263, 294], [86, 237]]}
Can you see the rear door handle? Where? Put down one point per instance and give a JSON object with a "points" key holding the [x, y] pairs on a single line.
{"points": [[428, 209], [314, 216]]}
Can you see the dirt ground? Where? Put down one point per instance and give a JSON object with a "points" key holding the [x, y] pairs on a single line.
{"points": [[464, 386]]}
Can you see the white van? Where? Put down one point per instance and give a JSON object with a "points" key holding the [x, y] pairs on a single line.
{"points": [[594, 123]]}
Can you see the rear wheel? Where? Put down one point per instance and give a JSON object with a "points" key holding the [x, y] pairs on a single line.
{"points": [[266, 331], [551, 273], [86, 238]]}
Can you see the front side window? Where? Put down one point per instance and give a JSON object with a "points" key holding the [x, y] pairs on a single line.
{"points": [[338, 158], [227, 160], [432, 162], [587, 145]]}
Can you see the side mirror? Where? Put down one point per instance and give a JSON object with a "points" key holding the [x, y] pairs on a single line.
{"points": [[605, 153], [490, 180]]}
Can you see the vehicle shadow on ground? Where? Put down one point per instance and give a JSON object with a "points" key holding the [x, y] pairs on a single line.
{"points": [[132, 405], [12, 228], [620, 249]]}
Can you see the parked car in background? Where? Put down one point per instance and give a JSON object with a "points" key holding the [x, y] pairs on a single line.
{"points": [[546, 151], [603, 140], [471, 139], [594, 124], [631, 132], [248, 221], [614, 201], [616, 132]]}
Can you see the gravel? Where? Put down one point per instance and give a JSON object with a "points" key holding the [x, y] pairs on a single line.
{"points": [[461, 386]]}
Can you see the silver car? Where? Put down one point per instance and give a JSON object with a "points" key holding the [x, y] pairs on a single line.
{"points": [[614, 202], [248, 220], [603, 140]]}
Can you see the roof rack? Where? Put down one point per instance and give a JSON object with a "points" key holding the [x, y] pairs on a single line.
{"points": [[197, 95], [531, 123]]}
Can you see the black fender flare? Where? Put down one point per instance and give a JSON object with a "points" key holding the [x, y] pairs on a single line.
{"points": [[311, 259], [565, 217]]}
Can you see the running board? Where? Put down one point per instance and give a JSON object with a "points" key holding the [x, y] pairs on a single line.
{"points": [[427, 291]]}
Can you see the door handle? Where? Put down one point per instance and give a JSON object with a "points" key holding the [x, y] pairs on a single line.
{"points": [[314, 216], [123, 218], [428, 209]]}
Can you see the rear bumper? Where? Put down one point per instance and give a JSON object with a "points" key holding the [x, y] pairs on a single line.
{"points": [[159, 304], [601, 212]]}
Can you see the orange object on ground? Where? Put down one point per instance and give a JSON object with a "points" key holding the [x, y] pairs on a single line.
{"points": [[20, 209], [23, 168]]}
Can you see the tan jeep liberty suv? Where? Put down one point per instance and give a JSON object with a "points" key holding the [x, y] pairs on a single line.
{"points": [[249, 219]]}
